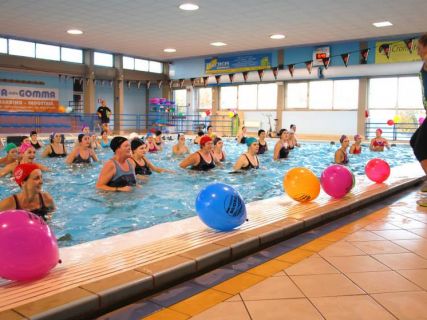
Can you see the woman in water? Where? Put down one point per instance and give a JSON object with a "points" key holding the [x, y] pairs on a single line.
{"points": [[197, 138], [31, 198], [11, 154], [356, 147], [210, 132], [248, 160], [118, 173], [151, 145], [202, 160], [180, 147], [34, 141], [143, 166], [341, 156], [83, 153], [158, 140], [263, 147], [281, 149], [56, 148], [218, 151], [104, 142], [378, 143], [27, 154], [241, 137]]}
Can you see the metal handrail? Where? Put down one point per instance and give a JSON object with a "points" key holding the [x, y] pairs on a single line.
{"points": [[397, 131]]}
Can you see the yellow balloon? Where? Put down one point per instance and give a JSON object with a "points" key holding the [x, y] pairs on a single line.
{"points": [[396, 118], [231, 114], [301, 184], [61, 109]]}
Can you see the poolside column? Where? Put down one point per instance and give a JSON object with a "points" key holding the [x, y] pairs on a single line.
{"points": [[363, 105], [118, 93], [89, 87]]}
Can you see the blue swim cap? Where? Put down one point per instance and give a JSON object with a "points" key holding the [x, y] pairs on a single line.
{"points": [[250, 140]]}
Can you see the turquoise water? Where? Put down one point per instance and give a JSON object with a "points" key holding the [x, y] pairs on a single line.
{"points": [[86, 214]]}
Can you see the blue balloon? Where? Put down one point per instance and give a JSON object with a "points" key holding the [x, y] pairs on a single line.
{"points": [[220, 207]]}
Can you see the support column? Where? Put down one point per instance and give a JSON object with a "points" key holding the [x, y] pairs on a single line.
{"points": [[118, 101], [89, 87], [363, 105], [215, 100], [281, 93]]}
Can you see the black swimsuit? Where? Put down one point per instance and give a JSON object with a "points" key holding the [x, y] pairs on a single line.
{"points": [[142, 170], [243, 140], [203, 165], [122, 178], [53, 154], [250, 165], [262, 148], [284, 152], [36, 145], [41, 212], [79, 159]]}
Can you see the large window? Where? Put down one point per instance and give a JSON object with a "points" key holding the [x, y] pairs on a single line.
{"points": [[45, 51], [141, 65], [3, 45], [128, 63], [72, 55], [267, 96], [180, 97], [228, 98], [323, 95], [103, 59], [155, 67], [248, 97], [22, 48], [204, 97]]}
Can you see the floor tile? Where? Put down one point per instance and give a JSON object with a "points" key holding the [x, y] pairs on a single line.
{"points": [[269, 268], [200, 302], [238, 283], [167, 314], [360, 307], [237, 297], [341, 248], [214, 277], [272, 288], [381, 225], [311, 265], [225, 311], [417, 276], [379, 247], [420, 232], [398, 261], [325, 285], [295, 256], [397, 234], [356, 264], [404, 305], [417, 246], [177, 293], [295, 309], [383, 281], [363, 235]]}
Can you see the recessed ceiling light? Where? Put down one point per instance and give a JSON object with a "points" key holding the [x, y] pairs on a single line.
{"points": [[382, 24], [74, 31], [218, 44], [277, 36], [189, 6], [169, 50]]}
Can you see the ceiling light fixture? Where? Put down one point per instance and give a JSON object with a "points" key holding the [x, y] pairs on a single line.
{"points": [[277, 36], [382, 24], [189, 7], [218, 44], [74, 31], [170, 50]]}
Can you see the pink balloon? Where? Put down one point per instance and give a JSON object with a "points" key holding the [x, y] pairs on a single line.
{"points": [[336, 181], [28, 248], [421, 120], [377, 170]]}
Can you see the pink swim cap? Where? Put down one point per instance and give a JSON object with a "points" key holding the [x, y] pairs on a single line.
{"points": [[24, 147], [357, 136]]}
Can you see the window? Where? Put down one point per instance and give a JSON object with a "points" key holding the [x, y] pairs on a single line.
{"points": [[248, 97], [267, 96], [3, 45], [409, 94], [22, 48], [346, 94], [155, 67], [128, 63], [204, 98], [44, 51], [297, 95], [383, 93], [141, 65], [228, 98], [320, 94], [180, 97], [71, 55], [103, 59]]}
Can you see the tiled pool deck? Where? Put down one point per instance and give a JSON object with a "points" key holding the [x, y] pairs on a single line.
{"points": [[100, 275]]}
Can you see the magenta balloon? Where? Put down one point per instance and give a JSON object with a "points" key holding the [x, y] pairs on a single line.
{"points": [[336, 181], [28, 248], [377, 170], [421, 120]]}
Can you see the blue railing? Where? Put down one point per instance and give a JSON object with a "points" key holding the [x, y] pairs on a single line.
{"points": [[398, 131]]}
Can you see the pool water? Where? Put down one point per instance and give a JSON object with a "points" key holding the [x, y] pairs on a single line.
{"points": [[84, 214]]}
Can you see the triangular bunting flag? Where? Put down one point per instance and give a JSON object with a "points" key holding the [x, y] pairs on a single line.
{"points": [[148, 84], [129, 83], [291, 69], [159, 83], [231, 77], [326, 62], [409, 44], [170, 83], [138, 84], [245, 75], [181, 83], [260, 74], [205, 81], [309, 65], [345, 57], [275, 72], [385, 48], [192, 80], [364, 56], [218, 78]]}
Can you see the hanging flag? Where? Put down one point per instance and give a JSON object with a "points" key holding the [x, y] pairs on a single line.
{"points": [[326, 62], [129, 83], [81, 81], [192, 80], [260, 74], [170, 83], [205, 81], [159, 83], [138, 84], [291, 69], [364, 56], [181, 83], [409, 44], [245, 75], [231, 77], [385, 48], [275, 72], [345, 57], [218, 78], [309, 65], [148, 84]]}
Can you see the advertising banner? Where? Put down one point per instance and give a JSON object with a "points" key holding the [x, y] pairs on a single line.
{"points": [[28, 99], [233, 64], [395, 51]]}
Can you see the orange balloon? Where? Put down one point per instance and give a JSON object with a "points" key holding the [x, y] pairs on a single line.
{"points": [[301, 184], [61, 109]]}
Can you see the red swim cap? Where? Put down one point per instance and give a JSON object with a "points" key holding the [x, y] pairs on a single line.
{"points": [[204, 140], [22, 171], [380, 130]]}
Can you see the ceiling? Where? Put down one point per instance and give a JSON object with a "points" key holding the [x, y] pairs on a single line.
{"points": [[143, 28]]}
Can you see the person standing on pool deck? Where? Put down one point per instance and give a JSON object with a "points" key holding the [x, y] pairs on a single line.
{"points": [[104, 115], [418, 141]]}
